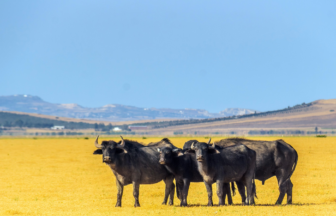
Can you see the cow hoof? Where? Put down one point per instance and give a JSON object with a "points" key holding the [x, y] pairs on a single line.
{"points": [[170, 203], [164, 203], [118, 205], [184, 205], [210, 204]]}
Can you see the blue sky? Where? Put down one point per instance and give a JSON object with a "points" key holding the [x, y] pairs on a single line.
{"points": [[211, 55]]}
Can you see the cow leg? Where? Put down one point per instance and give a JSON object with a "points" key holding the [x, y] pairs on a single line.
{"points": [[280, 174], [249, 189], [227, 191], [171, 194], [209, 190], [169, 190], [224, 193], [136, 187], [179, 188], [220, 193], [241, 190], [289, 192], [186, 184], [120, 188]]}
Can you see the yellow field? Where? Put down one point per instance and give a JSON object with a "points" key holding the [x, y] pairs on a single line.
{"points": [[62, 177]]}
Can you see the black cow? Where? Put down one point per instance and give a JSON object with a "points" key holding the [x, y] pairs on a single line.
{"points": [[182, 166], [274, 158], [185, 170], [132, 162], [234, 163]]}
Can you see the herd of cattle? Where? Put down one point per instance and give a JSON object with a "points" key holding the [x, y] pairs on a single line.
{"points": [[224, 162]]}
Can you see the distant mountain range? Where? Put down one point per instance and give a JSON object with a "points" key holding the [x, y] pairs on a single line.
{"points": [[110, 112]]}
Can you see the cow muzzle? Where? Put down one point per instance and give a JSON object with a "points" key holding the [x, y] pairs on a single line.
{"points": [[161, 161], [199, 158], [107, 159]]}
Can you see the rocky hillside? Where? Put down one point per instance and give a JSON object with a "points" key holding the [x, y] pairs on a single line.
{"points": [[110, 112]]}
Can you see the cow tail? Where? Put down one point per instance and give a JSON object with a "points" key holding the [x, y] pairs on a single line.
{"points": [[254, 187], [295, 163], [293, 167], [233, 189]]}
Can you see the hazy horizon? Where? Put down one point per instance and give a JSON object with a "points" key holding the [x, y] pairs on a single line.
{"points": [[187, 108]]}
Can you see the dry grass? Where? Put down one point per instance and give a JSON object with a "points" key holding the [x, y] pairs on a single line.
{"points": [[62, 177]]}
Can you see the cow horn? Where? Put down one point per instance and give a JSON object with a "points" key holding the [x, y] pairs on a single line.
{"points": [[122, 145], [213, 145], [122, 141], [96, 143], [209, 141], [192, 145]]}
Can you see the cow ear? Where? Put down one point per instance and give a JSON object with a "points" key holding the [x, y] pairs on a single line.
{"points": [[121, 150], [178, 152], [213, 151], [98, 151], [213, 148]]}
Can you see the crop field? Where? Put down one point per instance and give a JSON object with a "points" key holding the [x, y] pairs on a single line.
{"points": [[63, 177]]}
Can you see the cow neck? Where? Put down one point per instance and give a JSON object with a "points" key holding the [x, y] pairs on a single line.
{"points": [[172, 167], [119, 163], [205, 166]]}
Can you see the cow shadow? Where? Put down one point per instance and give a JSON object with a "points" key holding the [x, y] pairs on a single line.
{"points": [[265, 205]]}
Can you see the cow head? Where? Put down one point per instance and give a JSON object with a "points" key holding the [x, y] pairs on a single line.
{"points": [[202, 150], [110, 149], [187, 146], [167, 154]]}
